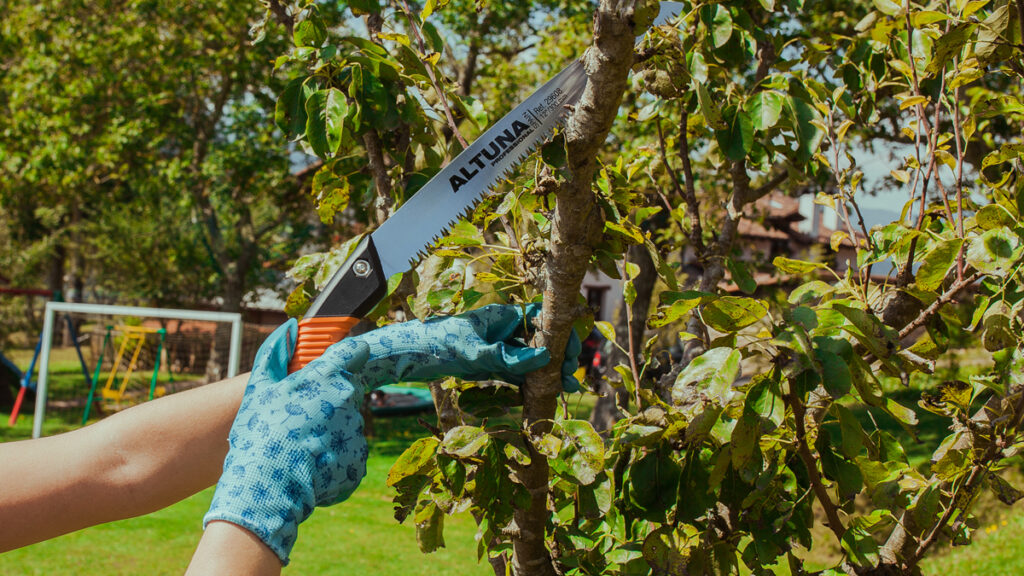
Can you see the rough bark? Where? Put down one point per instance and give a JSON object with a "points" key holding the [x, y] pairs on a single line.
{"points": [[576, 227]]}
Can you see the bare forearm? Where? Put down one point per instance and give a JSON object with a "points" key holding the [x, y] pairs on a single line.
{"points": [[230, 549], [132, 463]]}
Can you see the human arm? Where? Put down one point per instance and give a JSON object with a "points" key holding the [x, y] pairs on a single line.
{"points": [[135, 462], [227, 548]]}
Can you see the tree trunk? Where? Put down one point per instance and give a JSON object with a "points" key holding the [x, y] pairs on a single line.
{"points": [[576, 228], [220, 347]]}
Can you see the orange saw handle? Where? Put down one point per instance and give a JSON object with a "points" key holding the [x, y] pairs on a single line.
{"points": [[315, 336], [347, 298]]}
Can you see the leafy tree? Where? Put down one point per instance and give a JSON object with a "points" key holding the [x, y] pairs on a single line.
{"points": [[707, 471], [139, 153]]}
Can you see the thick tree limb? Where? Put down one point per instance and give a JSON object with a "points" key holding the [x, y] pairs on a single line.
{"points": [[281, 14], [576, 228]]}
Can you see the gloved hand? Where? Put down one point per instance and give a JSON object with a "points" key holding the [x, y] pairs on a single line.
{"points": [[296, 443], [475, 345]]}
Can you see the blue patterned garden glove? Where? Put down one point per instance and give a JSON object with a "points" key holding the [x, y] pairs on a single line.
{"points": [[296, 443], [476, 345]]}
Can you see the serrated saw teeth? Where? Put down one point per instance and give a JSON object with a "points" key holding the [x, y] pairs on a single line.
{"points": [[458, 188]]}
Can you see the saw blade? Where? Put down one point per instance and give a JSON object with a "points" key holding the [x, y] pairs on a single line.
{"points": [[454, 191]]}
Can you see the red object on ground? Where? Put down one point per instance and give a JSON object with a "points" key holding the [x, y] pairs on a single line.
{"points": [[17, 406]]}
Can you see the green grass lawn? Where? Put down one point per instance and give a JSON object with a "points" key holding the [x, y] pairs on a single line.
{"points": [[361, 536]]}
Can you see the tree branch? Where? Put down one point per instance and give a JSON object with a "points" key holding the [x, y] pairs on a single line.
{"points": [[814, 477], [946, 296], [280, 12], [577, 225]]}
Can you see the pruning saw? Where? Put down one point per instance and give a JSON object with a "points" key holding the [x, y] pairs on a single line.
{"points": [[361, 282]]}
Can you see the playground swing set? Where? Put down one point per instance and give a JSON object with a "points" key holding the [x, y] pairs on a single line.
{"points": [[130, 335], [132, 341]]}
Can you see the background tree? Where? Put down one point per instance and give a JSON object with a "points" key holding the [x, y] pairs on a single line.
{"points": [[140, 157]]}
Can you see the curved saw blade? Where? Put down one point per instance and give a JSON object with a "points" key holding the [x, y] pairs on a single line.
{"points": [[458, 187]]}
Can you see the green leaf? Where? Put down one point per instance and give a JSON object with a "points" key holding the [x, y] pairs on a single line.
{"points": [[852, 433], [737, 137], [958, 393], [808, 134], [310, 32], [732, 313], [429, 527], [746, 450], [553, 152], [606, 329], [952, 464], [994, 251], [869, 330], [803, 316], [1003, 490], [490, 401], [625, 230], [859, 545], [360, 7], [667, 549], [993, 216], [708, 107], [1005, 153], [764, 108], [865, 381], [699, 69], [949, 45], [680, 303], [900, 412], [414, 460], [298, 301], [330, 193], [740, 274], [323, 125], [713, 371], [335, 110], [641, 435], [464, 441], [582, 450], [653, 482], [889, 7], [889, 447], [290, 112], [428, 8], [595, 500], [721, 26], [936, 264], [791, 266], [994, 33], [764, 399], [997, 332], [809, 292], [835, 374]]}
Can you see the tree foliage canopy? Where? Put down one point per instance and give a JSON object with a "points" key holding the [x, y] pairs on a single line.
{"points": [[741, 440], [707, 469]]}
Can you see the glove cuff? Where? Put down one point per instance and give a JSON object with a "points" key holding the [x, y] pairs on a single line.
{"points": [[248, 497]]}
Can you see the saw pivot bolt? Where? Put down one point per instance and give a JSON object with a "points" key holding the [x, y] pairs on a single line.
{"points": [[362, 268]]}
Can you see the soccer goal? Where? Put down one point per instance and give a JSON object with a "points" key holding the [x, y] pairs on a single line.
{"points": [[138, 353]]}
